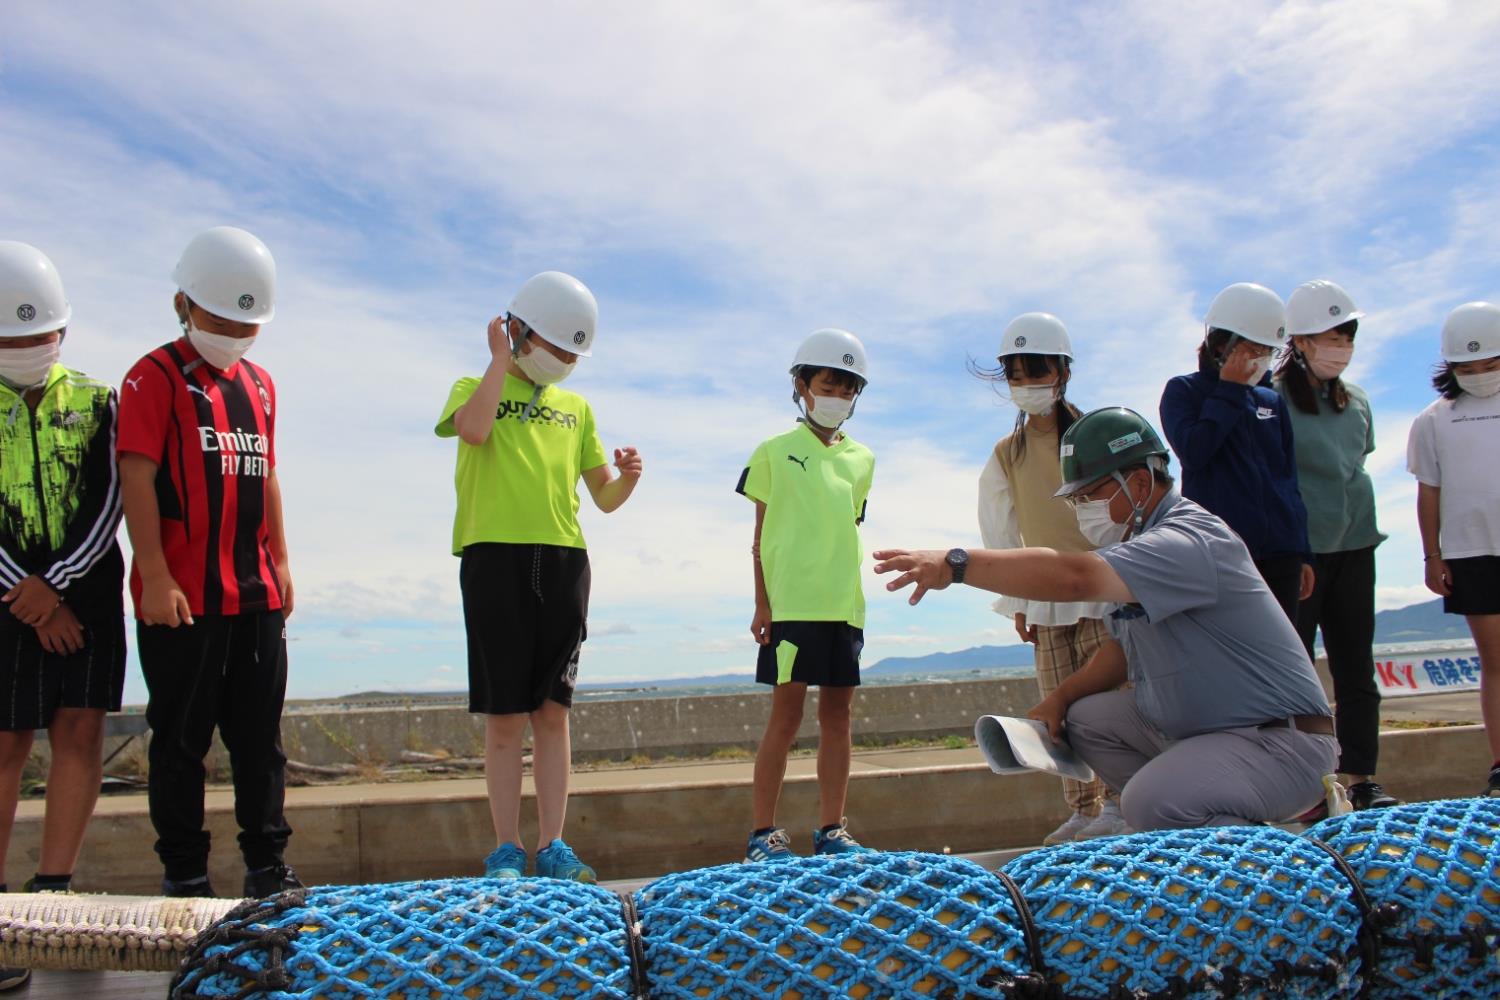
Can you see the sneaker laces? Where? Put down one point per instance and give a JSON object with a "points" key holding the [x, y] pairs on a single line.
{"points": [[842, 835], [777, 840], [562, 856]]}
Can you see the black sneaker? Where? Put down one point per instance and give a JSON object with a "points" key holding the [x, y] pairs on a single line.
{"points": [[191, 888], [1369, 795], [13, 978], [1493, 791], [265, 882]]}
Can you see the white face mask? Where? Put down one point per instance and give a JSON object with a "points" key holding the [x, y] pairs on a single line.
{"points": [[543, 367], [1483, 385], [1330, 362], [24, 367], [218, 350], [1036, 400], [830, 411], [1095, 524]]}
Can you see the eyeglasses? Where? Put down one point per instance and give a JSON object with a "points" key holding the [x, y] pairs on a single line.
{"points": [[1087, 495]]}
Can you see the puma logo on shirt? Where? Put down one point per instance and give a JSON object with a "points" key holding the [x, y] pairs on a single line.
{"points": [[800, 461]]}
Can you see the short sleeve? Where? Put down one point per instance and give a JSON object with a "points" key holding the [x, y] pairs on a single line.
{"points": [[145, 411], [270, 419], [458, 396], [592, 455], [862, 492], [755, 481], [1168, 570], [1421, 451]]}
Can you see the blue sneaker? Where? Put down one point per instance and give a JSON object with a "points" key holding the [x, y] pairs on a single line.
{"points": [[838, 841], [557, 860], [506, 861], [772, 846]]}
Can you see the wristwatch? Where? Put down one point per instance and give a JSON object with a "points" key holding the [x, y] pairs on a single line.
{"points": [[958, 562]]}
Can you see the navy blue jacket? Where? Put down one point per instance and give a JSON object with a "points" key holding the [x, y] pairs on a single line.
{"points": [[1235, 445]]}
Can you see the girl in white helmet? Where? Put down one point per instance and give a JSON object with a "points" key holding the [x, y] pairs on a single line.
{"points": [[1451, 451], [62, 627], [1017, 508], [524, 443], [809, 486], [1334, 431]]}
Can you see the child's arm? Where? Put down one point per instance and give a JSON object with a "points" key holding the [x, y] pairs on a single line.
{"points": [[1429, 521], [162, 600], [277, 541], [610, 492], [760, 625], [476, 418]]}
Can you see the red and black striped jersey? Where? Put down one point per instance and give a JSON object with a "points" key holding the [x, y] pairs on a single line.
{"points": [[212, 435]]}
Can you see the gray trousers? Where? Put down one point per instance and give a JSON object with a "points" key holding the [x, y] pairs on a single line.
{"points": [[1226, 778]]}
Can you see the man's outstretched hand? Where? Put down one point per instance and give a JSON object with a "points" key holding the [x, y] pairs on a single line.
{"points": [[928, 569]]}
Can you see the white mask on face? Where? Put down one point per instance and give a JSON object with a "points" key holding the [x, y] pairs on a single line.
{"points": [[1036, 400], [543, 367], [218, 350], [830, 411], [1330, 362], [24, 367], [1095, 524], [1483, 384]]}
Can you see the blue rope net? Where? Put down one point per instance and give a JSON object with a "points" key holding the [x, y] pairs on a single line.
{"points": [[454, 938], [1431, 872], [1225, 911], [855, 925]]}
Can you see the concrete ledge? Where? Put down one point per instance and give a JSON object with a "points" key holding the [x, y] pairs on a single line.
{"points": [[644, 822]]}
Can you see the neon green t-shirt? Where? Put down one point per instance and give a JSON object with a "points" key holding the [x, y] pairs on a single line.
{"points": [[521, 485], [810, 551]]}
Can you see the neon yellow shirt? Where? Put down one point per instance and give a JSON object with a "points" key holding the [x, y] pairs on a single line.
{"points": [[810, 552], [521, 485]]}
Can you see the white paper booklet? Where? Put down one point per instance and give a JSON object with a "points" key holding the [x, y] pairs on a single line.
{"points": [[1015, 745]]}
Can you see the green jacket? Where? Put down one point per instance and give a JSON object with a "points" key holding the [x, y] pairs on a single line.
{"points": [[60, 487]]}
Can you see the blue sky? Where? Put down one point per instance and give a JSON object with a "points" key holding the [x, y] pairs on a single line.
{"points": [[728, 178]]}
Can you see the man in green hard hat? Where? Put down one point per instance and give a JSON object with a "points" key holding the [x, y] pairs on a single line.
{"points": [[1226, 722]]}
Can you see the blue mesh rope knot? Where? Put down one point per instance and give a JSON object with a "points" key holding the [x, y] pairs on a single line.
{"points": [[856, 925], [1431, 871], [438, 939], [1224, 911]]}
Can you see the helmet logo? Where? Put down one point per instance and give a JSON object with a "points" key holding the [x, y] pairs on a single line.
{"points": [[1020, 341], [1066, 451], [247, 302], [1281, 333], [1124, 441], [849, 360], [26, 312], [580, 337], [1473, 346], [1334, 310]]}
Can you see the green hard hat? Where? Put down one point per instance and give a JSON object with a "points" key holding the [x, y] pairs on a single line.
{"points": [[1105, 441]]}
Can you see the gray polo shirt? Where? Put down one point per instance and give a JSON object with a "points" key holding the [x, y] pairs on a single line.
{"points": [[1207, 645]]}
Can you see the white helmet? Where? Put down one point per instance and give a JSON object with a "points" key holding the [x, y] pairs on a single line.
{"points": [[836, 349], [230, 273], [1252, 311], [31, 294], [1472, 332], [560, 309], [1036, 333], [1317, 307]]}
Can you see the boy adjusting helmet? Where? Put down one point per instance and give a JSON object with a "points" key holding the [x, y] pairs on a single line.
{"points": [[836, 350]]}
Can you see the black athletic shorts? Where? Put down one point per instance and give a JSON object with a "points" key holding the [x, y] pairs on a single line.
{"points": [[1475, 582], [821, 654], [34, 683], [526, 609]]}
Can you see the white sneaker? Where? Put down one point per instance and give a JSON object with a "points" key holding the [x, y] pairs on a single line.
{"points": [[1069, 831], [1109, 823]]}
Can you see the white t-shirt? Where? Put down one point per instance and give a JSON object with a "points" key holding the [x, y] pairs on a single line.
{"points": [[1453, 445]]}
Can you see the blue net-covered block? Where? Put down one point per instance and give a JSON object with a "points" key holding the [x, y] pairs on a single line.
{"points": [[856, 925], [450, 938], [1431, 871], [1242, 911]]}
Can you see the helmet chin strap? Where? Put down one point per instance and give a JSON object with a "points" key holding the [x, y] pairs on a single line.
{"points": [[515, 354], [1137, 510]]}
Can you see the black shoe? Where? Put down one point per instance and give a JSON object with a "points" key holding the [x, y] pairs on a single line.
{"points": [[12, 978], [192, 888], [1369, 795], [1494, 790], [265, 882]]}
